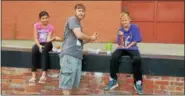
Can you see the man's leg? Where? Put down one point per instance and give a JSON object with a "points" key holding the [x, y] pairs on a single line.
{"points": [[67, 73], [77, 77]]}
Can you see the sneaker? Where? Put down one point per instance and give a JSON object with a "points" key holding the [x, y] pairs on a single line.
{"points": [[138, 87], [111, 85]]}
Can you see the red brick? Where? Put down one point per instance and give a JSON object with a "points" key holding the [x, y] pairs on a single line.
{"points": [[129, 76], [169, 78], [83, 92], [10, 92], [55, 71], [180, 79], [157, 87], [85, 82], [22, 93], [7, 72], [18, 80], [15, 77], [57, 92], [163, 87], [121, 75], [92, 85], [121, 78], [177, 93], [106, 74], [49, 79], [3, 76], [8, 69], [126, 87], [129, 81], [179, 88], [3, 92], [36, 88], [177, 83], [27, 73], [172, 88], [99, 91], [29, 93], [89, 73], [6, 81], [105, 79], [129, 88], [153, 77], [85, 78], [161, 92], [5, 86], [19, 89], [121, 81], [162, 82], [148, 86], [52, 83], [165, 78], [83, 85], [167, 87], [89, 91], [46, 92]]}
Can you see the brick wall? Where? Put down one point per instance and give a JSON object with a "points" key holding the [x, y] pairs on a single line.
{"points": [[15, 81], [101, 17]]}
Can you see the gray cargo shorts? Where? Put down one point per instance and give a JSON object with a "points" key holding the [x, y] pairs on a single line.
{"points": [[70, 72]]}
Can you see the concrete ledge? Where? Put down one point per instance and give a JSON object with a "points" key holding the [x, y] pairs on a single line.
{"points": [[151, 64]]}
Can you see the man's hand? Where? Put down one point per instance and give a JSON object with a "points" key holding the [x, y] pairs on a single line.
{"points": [[94, 36]]}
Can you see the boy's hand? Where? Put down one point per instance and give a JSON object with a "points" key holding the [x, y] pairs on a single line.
{"points": [[121, 46], [120, 33]]}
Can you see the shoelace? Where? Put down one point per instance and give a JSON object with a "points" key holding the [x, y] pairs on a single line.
{"points": [[139, 87], [111, 83]]}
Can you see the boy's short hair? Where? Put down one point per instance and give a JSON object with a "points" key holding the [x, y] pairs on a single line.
{"points": [[79, 6], [125, 13]]}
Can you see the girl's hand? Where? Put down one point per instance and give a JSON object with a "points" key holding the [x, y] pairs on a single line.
{"points": [[58, 38], [41, 48]]}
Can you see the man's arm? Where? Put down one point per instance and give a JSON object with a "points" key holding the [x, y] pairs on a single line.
{"points": [[80, 35]]}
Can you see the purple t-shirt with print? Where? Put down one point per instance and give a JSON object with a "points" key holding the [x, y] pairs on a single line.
{"points": [[133, 34], [43, 31]]}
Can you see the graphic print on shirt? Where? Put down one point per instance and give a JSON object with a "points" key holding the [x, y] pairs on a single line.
{"points": [[78, 43], [43, 35], [127, 39]]}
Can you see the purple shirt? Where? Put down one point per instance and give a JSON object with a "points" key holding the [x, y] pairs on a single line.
{"points": [[43, 32], [133, 34]]}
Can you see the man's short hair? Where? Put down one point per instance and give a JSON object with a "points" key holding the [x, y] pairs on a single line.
{"points": [[79, 6]]}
